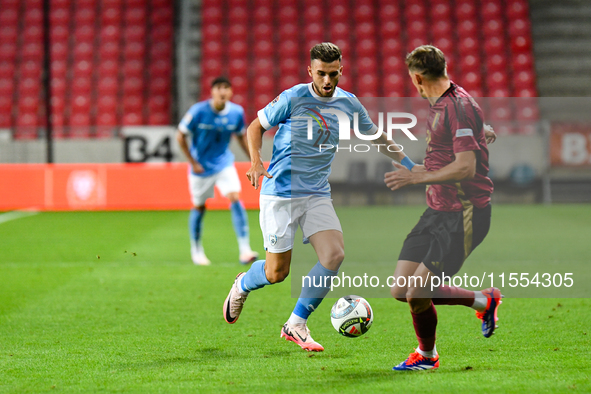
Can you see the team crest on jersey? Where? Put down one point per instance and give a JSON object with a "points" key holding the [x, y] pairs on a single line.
{"points": [[273, 239], [275, 100]]}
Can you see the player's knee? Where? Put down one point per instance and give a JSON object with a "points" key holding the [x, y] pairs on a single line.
{"points": [[418, 305], [233, 197], [399, 293], [200, 208], [337, 258]]}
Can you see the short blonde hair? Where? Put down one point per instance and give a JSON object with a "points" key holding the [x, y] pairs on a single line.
{"points": [[427, 60]]}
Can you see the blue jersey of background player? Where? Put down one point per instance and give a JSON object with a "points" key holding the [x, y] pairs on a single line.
{"points": [[296, 190], [209, 125]]}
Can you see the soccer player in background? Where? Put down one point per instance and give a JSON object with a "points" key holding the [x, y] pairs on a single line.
{"points": [[295, 190], [458, 192], [210, 124]]}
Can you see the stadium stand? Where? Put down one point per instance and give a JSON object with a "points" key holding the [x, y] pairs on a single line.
{"points": [[110, 61], [487, 43]]}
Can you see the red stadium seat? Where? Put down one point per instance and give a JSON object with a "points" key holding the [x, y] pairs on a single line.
{"points": [[83, 51], [29, 87], [366, 65], [496, 62], [519, 27], [133, 103], [499, 91], [520, 44], [107, 103], [468, 45], [134, 50], [339, 12], [313, 14], [527, 92], [134, 33], [287, 13], [446, 46], [263, 31], [465, 10], [524, 80], [133, 86], [158, 118], [161, 50], [417, 28], [363, 13], [416, 42], [415, 10], [81, 86], [108, 51], [393, 65], [494, 27], [367, 86], [313, 32], [161, 16], [440, 10], [468, 28], [471, 80], [497, 79], [237, 50], [491, 9], [263, 15], [28, 103], [390, 29], [30, 69], [364, 31], [83, 68], [108, 68], [109, 33], [8, 33], [470, 63], [32, 34], [289, 31], [33, 16], [365, 48], [263, 84], [264, 65], [389, 11], [108, 86], [32, 51], [58, 86], [84, 16], [214, 32], [517, 9], [442, 28], [106, 119], [526, 111], [159, 86], [132, 119], [111, 16], [135, 16], [339, 30], [288, 82], [80, 103], [84, 34], [7, 70], [160, 68], [264, 49], [212, 49], [213, 15], [8, 51], [343, 46], [494, 45], [8, 17], [158, 103], [133, 69], [238, 67]]}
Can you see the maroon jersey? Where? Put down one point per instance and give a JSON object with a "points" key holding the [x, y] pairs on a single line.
{"points": [[456, 125]]}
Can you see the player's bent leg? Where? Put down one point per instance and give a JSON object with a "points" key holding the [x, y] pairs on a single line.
{"points": [[255, 278], [329, 247], [404, 270]]}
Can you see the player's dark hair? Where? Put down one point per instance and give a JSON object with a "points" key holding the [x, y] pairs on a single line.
{"points": [[221, 79], [428, 61], [326, 52]]}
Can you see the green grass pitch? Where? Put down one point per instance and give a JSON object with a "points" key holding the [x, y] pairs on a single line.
{"points": [[110, 302]]}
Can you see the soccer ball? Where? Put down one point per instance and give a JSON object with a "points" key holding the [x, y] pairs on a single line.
{"points": [[351, 316]]}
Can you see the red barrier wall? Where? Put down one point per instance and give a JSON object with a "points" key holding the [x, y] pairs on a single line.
{"points": [[62, 187]]}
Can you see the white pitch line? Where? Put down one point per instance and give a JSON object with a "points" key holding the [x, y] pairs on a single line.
{"points": [[12, 215]]}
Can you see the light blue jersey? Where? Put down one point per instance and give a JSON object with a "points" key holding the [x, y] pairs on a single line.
{"points": [[210, 133], [301, 159]]}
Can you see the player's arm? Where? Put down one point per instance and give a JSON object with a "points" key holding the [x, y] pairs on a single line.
{"points": [[254, 135], [182, 141], [463, 168]]}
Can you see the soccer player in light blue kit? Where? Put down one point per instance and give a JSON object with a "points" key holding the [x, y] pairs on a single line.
{"points": [[295, 190], [210, 124]]}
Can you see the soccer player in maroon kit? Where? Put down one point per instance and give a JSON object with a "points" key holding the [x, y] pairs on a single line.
{"points": [[455, 171]]}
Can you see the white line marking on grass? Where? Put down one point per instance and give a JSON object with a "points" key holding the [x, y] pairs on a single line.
{"points": [[12, 215]]}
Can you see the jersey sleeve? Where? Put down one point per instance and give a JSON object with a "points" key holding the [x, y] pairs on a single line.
{"points": [[462, 124], [366, 125], [186, 124], [276, 111]]}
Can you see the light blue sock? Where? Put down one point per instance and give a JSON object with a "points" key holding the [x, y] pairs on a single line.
{"points": [[255, 277], [195, 218], [314, 290]]}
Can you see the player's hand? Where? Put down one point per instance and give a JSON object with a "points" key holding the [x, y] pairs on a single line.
{"points": [[197, 168], [255, 172], [489, 134], [399, 178]]}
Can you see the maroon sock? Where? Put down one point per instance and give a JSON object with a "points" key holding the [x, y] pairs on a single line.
{"points": [[425, 324], [450, 295]]}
